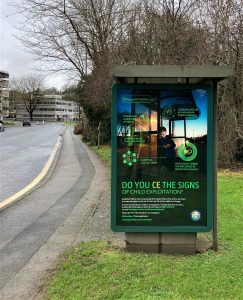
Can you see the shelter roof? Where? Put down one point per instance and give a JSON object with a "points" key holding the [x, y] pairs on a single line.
{"points": [[167, 74]]}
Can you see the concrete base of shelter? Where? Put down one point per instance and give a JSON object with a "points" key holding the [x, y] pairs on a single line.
{"points": [[142, 248], [168, 243]]}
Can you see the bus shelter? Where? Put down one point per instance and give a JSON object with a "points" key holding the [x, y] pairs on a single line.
{"points": [[164, 155]]}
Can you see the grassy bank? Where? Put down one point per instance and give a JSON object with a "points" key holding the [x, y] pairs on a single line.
{"points": [[96, 270], [71, 123], [8, 123], [104, 152]]}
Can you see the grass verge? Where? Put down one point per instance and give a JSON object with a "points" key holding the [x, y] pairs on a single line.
{"points": [[104, 152], [70, 123], [97, 270], [6, 123]]}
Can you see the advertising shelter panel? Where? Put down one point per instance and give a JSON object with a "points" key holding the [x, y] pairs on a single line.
{"points": [[162, 173]]}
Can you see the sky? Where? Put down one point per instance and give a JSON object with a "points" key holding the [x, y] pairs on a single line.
{"points": [[13, 58]]}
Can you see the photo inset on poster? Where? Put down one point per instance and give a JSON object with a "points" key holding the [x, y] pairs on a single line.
{"points": [[161, 157]]}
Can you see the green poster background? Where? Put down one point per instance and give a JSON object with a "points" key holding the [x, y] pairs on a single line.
{"points": [[153, 189]]}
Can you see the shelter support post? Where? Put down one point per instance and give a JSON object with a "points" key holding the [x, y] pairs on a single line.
{"points": [[215, 168]]}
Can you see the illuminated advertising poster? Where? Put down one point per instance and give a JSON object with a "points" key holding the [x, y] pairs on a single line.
{"points": [[161, 158]]}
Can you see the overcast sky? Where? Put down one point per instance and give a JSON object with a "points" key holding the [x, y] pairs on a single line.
{"points": [[13, 58]]}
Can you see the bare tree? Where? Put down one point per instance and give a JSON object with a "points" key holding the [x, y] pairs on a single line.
{"points": [[163, 32], [29, 88], [72, 35], [223, 20]]}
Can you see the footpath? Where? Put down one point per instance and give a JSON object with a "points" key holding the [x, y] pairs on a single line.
{"points": [[72, 206]]}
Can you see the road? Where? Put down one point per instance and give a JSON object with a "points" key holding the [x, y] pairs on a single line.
{"points": [[36, 229], [23, 154]]}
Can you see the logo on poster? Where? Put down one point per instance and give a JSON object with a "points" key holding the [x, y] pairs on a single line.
{"points": [[187, 151], [196, 215], [129, 158]]}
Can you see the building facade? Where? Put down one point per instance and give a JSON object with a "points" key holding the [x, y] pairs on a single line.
{"points": [[4, 94], [50, 108]]}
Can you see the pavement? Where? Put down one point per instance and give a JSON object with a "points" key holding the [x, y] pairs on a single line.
{"points": [[41, 226]]}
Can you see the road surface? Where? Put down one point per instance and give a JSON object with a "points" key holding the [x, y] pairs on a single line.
{"points": [[36, 229], [23, 154]]}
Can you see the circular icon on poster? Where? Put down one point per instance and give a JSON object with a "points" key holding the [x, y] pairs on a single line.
{"points": [[168, 112], [142, 120], [196, 215], [187, 151], [129, 158]]}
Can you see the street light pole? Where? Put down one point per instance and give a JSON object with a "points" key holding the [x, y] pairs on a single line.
{"points": [[13, 106], [86, 61]]}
